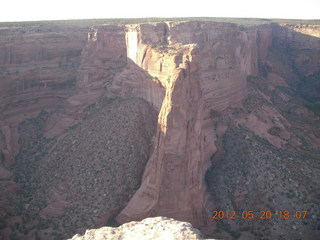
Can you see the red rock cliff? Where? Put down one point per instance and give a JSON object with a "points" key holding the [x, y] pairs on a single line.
{"points": [[38, 71], [203, 69], [194, 74], [188, 71]]}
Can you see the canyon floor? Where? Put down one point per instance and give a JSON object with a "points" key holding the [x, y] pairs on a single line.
{"points": [[213, 123]]}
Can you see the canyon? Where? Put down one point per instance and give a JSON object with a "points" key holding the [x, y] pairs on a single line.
{"points": [[108, 124]]}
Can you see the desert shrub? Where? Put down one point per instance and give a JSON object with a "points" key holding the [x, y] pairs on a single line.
{"points": [[2, 224], [14, 236], [214, 113], [313, 107]]}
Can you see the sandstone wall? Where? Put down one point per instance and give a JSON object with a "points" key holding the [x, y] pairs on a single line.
{"points": [[298, 47], [103, 56], [188, 71], [303, 42], [203, 71], [37, 61], [38, 69]]}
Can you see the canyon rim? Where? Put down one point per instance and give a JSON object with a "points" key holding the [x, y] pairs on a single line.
{"points": [[108, 124]]}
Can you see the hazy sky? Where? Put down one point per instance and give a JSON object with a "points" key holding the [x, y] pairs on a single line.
{"points": [[25, 10]]}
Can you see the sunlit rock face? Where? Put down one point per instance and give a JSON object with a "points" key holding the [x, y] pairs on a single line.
{"points": [[202, 71], [156, 228]]}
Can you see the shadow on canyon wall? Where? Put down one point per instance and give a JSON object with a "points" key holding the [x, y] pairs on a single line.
{"points": [[79, 178], [82, 176], [250, 173]]}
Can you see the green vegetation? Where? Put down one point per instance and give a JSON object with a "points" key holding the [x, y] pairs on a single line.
{"points": [[239, 21], [97, 106], [165, 47], [2, 224], [214, 113], [313, 107], [14, 236]]}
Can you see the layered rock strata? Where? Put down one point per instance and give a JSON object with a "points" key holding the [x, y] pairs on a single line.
{"points": [[203, 72], [38, 71], [186, 75], [196, 75]]}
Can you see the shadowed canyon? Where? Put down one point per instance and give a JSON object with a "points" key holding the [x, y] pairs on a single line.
{"points": [[109, 124]]}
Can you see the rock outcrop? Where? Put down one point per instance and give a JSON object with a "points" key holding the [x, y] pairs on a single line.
{"points": [[38, 71], [148, 229], [203, 71], [278, 173], [298, 48]]}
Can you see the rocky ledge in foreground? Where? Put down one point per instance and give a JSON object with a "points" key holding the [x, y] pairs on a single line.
{"points": [[149, 228]]}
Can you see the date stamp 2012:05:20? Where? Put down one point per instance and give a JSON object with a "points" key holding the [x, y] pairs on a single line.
{"points": [[219, 215]]}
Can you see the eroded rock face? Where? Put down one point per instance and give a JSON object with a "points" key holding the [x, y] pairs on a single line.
{"points": [[148, 229], [203, 71], [249, 172], [38, 71], [103, 56], [300, 56]]}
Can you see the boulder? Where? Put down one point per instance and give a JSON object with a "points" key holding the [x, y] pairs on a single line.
{"points": [[149, 228]]}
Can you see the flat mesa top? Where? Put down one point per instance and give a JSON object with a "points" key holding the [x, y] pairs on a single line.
{"points": [[90, 22]]}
